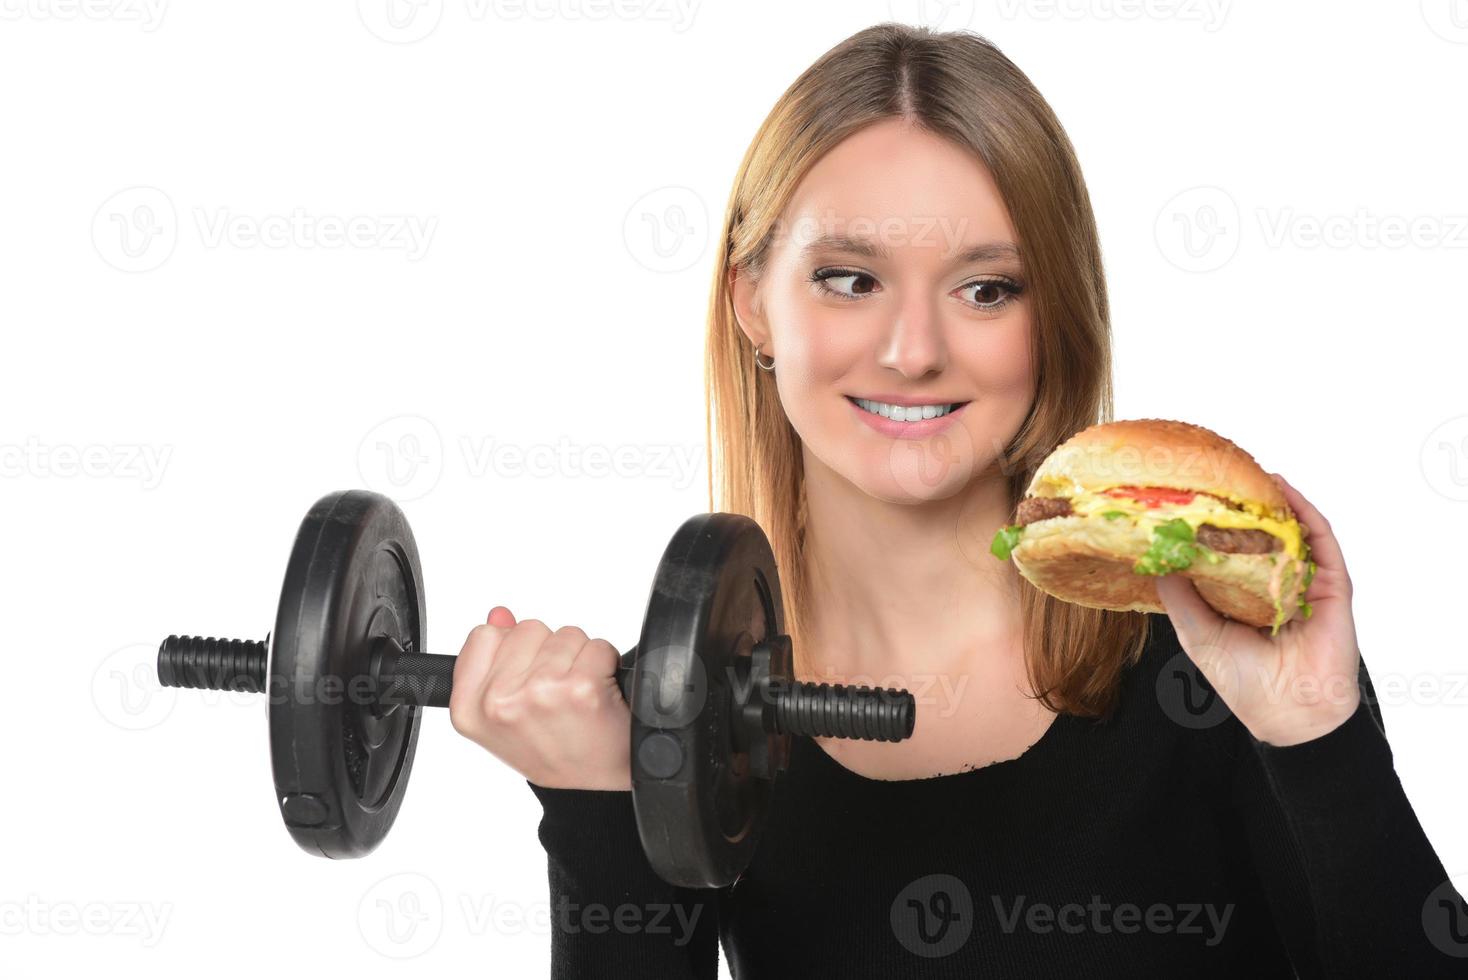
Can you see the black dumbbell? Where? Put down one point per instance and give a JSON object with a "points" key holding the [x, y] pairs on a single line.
{"points": [[710, 685]]}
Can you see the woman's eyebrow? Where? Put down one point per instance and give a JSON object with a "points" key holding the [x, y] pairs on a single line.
{"points": [[986, 252], [989, 252]]}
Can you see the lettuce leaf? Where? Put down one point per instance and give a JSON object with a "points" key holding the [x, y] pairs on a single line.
{"points": [[1306, 608], [1005, 540], [1173, 549]]}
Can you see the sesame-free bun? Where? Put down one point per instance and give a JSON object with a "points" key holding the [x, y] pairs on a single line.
{"points": [[1157, 453], [1089, 560]]}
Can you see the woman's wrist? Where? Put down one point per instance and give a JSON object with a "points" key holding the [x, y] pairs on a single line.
{"points": [[1305, 723]]}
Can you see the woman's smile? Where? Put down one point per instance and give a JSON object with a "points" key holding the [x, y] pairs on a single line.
{"points": [[906, 418]]}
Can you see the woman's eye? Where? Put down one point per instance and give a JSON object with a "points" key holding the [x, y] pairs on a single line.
{"points": [[837, 282], [988, 295], [991, 294]]}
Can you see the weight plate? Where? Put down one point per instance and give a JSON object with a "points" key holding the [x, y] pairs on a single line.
{"points": [[340, 766], [699, 804]]}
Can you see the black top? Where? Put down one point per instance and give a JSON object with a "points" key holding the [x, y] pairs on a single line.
{"points": [[1163, 842]]}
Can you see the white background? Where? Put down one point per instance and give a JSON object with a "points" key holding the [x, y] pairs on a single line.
{"points": [[172, 404]]}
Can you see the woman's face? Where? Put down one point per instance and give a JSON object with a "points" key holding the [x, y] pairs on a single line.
{"points": [[894, 289]]}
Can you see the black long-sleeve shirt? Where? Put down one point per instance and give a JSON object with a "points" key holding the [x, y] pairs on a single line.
{"points": [[1163, 842]]}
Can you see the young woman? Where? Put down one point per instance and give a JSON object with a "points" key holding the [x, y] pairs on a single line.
{"points": [[909, 313]]}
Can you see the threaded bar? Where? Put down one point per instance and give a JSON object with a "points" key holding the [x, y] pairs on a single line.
{"points": [[836, 711], [212, 663]]}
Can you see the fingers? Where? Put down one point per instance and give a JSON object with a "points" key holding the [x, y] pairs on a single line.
{"points": [[543, 702], [597, 658], [476, 658], [492, 652], [474, 662], [490, 671], [1192, 618], [504, 661], [1325, 550], [518, 650], [527, 652], [559, 651]]}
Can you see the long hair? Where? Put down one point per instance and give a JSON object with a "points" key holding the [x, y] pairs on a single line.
{"points": [[960, 86]]}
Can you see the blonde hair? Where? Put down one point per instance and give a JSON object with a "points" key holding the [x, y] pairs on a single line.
{"points": [[960, 86]]}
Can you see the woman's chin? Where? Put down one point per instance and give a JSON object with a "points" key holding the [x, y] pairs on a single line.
{"points": [[907, 481]]}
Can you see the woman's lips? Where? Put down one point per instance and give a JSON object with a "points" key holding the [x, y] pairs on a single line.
{"points": [[906, 430]]}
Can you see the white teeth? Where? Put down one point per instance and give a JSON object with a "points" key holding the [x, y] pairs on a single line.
{"points": [[904, 413]]}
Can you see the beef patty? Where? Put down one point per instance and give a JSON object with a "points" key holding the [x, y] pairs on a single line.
{"points": [[1033, 509], [1230, 540], [1238, 540]]}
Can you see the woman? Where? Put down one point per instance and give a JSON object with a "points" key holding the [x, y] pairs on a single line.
{"points": [[909, 313]]}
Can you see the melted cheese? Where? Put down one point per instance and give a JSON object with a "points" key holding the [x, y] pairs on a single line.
{"points": [[1202, 509]]}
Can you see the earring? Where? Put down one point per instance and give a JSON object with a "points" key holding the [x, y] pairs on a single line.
{"points": [[768, 367]]}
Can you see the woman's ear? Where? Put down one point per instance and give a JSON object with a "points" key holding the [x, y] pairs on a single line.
{"points": [[743, 293]]}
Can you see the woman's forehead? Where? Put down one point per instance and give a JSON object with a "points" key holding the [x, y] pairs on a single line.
{"points": [[899, 186]]}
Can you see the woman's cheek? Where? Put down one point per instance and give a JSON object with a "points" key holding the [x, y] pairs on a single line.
{"points": [[814, 359], [1004, 389], [994, 357]]}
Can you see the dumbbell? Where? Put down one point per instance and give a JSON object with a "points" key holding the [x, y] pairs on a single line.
{"points": [[710, 685]]}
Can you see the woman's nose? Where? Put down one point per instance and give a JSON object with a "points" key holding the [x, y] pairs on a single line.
{"points": [[914, 344]]}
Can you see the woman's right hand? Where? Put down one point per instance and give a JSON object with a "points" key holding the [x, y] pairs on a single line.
{"points": [[547, 703]]}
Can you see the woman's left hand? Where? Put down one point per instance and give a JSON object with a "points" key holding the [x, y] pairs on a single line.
{"points": [[1298, 684]]}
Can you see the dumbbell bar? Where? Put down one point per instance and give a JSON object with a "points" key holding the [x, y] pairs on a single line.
{"points": [[426, 680]]}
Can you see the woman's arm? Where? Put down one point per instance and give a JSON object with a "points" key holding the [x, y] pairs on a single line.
{"points": [[548, 703], [611, 915], [1353, 880], [1354, 885]]}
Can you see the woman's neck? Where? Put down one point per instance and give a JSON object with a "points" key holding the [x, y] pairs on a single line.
{"points": [[900, 590]]}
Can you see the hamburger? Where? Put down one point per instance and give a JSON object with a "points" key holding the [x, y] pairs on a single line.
{"points": [[1121, 503]]}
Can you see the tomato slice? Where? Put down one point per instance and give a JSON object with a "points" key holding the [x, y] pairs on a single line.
{"points": [[1152, 496]]}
